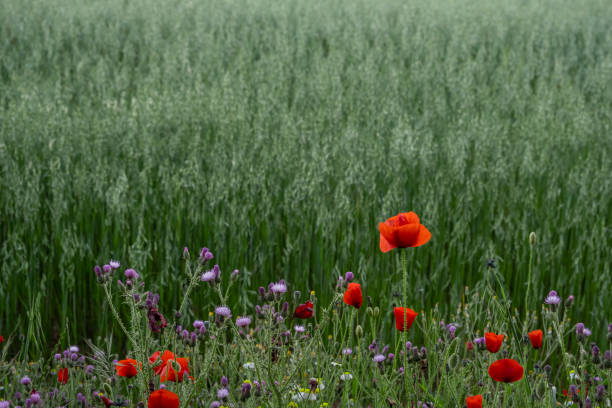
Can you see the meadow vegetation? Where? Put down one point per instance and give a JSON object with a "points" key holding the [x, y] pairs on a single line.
{"points": [[279, 134]]}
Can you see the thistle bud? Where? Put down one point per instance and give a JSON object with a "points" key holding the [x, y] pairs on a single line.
{"points": [[569, 301], [532, 238], [186, 253]]}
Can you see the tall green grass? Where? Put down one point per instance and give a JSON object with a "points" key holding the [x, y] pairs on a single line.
{"points": [[279, 133]]}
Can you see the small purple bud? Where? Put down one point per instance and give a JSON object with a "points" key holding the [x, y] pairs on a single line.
{"points": [[349, 276], [74, 356], [131, 274], [107, 269], [224, 381], [185, 253], [57, 356], [208, 256], [234, 275], [98, 271], [89, 369], [26, 380], [262, 291]]}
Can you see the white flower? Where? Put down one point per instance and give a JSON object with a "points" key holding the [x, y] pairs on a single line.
{"points": [[249, 365], [335, 364], [346, 376]]}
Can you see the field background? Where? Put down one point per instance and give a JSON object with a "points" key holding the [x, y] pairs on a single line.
{"points": [[279, 133]]}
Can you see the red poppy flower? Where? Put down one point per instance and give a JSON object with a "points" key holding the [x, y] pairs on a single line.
{"points": [[62, 375], [536, 338], [400, 312], [402, 231], [1, 339], [353, 296], [166, 370], [474, 401], [304, 311], [494, 341], [126, 368], [107, 403], [506, 370], [163, 399]]}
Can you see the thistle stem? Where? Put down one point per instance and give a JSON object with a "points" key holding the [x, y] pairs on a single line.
{"points": [[114, 311]]}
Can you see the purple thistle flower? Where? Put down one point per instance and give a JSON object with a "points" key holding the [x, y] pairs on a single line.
{"points": [[35, 398], [246, 389], [223, 311], [89, 369], [25, 380], [235, 274], [57, 356], [224, 381], [107, 269], [299, 329], [278, 288], [217, 271], [349, 276], [262, 292], [114, 264], [243, 321], [378, 358], [552, 298], [215, 404], [222, 393], [131, 274], [198, 324], [208, 276], [98, 271], [390, 356], [4, 404], [347, 351]]}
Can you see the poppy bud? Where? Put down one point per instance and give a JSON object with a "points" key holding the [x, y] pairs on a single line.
{"points": [[532, 238], [108, 390], [370, 311], [376, 311], [359, 331], [297, 295]]}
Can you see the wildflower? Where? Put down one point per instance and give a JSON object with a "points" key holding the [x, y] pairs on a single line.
{"points": [[353, 296], [536, 338], [205, 255], [215, 404], [552, 298], [349, 276], [595, 354], [1, 339], [198, 324], [493, 341], [114, 264], [34, 398], [208, 276], [582, 332], [163, 399], [304, 311], [222, 393], [607, 359], [156, 320], [346, 376], [278, 288], [26, 380], [400, 313], [166, 370], [223, 311], [245, 391], [379, 358], [126, 368], [480, 342], [401, 231], [347, 351], [4, 404], [107, 269], [506, 370], [74, 349], [249, 365], [89, 369], [474, 401], [390, 356], [569, 301], [62, 375], [243, 321], [299, 329], [451, 328]]}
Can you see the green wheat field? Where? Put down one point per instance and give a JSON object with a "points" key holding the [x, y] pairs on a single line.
{"points": [[280, 133]]}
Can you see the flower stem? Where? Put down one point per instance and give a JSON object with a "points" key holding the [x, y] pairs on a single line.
{"points": [[405, 323], [114, 311]]}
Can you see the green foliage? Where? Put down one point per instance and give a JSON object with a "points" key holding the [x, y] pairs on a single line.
{"points": [[279, 133]]}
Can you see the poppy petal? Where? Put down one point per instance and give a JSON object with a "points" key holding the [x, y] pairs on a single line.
{"points": [[411, 218], [506, 370], [423, 236], [388, 232], [407, 234], [385, 246]]}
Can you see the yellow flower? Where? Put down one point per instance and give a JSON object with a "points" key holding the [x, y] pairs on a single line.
{"points": [[292, 404]]}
